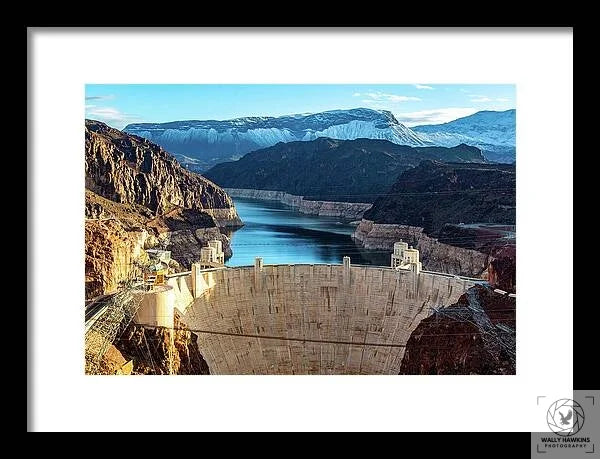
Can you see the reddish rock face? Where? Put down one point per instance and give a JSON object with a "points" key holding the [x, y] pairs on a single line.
{"points": [[162, 351], [137, 197], [502, 270], [476, 335], [110, 254], [128, 169]]}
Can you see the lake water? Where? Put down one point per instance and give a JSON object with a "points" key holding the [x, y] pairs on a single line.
{"points": [[280, 235]]}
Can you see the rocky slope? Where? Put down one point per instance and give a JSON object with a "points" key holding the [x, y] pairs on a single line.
{"points": [[200, 144], [459, 216], [502, 269], [111, 251], [493, 132], [343, 210], [128, 169], [162, 351], [139, 197], [434, 194], [435, 255], [113, 363], [332, 170], [476, 335]]}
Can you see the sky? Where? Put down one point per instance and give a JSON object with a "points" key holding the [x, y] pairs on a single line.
{"points": [[412, 104]]}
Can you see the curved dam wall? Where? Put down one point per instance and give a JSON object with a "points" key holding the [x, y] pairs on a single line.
{"points": [[309, 319]]}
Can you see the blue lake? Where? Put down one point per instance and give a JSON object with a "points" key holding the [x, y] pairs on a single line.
{"points": [[280, 235]]}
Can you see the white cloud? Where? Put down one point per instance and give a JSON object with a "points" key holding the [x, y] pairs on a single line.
{"points": [[435, 116], [385, 97], [476, 98], [422, 86], [483, 98], [376, 104], [111, 116], [102, 97]]}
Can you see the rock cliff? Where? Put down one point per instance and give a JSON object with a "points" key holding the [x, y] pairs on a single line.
{"points": [[459, 216], [113, 363], [476, 335], [110, 254], [435, 255], [128, 169], [434, 194], [502, 270], [343, 210], [162, 351], [139, 197]]}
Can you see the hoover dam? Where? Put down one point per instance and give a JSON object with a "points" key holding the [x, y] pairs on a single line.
{"points": [[301, 318]]}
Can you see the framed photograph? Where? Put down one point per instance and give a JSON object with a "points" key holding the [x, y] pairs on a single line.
{"points": [[304, 230]]}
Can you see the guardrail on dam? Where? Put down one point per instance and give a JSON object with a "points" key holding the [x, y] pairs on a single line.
{"points": [[302, 319]]}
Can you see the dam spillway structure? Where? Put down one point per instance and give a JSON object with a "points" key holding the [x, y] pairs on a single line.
{"points": [[303, 318]]}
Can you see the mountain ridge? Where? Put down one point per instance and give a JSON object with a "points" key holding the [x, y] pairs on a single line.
{"points": [[434, 194], [492, 131], [327, 169], [200, 144]]}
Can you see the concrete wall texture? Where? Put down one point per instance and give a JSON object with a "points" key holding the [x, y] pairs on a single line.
{"points": [[157, 307], [308, 319]]}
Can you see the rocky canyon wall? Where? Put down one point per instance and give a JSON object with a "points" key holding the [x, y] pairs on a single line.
{"points": [[434, 255], [476, 335], [161, 351], [129, 169], [110, 255], [138, 197], [344, 210]]}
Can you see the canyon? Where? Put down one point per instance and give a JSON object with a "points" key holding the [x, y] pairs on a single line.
{"points": [[137, 197], [342, 210], [307, 318]]}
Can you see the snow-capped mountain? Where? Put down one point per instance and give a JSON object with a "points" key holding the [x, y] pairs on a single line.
{"points": [[493, 132], [201, 144]]}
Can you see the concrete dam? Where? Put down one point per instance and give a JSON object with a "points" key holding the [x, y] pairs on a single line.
{"points": [[301, 319]]}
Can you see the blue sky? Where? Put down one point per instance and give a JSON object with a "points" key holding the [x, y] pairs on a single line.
{"points": [[414, 104]]}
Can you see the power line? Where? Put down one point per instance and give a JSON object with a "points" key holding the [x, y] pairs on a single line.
{"points": [[312, 340]]}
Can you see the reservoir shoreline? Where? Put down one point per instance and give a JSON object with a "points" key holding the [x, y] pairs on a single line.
{"points": [[346, 210], [280, 234]]}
